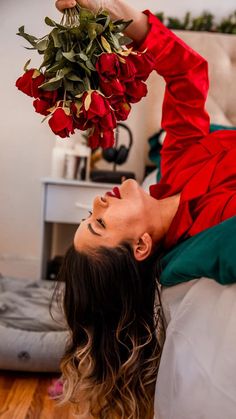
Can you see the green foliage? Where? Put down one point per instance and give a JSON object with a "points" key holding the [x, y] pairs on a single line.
{"points": [[204, 22], [229, 25]]}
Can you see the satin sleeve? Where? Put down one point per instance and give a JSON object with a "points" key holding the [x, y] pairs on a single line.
{"points": [[185, 72]]}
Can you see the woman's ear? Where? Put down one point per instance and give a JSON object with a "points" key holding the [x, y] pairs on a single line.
{"points": [[143, 247]]}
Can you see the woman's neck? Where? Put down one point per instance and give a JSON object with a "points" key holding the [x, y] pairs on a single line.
{"points": [[162, 213]]}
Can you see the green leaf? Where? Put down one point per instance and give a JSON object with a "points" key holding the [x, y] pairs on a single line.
{"points": [[63, 37], [79, 88], [94, 29], [125, 40], [58, 77], [26, 65], [56, 67], [49, 55], [59, 55], [74, 77], [30, 38], [86, 14], [76, 33], [56, 40], [49, 21], [104, 20], [90, 65], [70, 56], [121, 25], [115, 41], [93, 49], [105, 44], [42, 44], [52, 23], [64, 71], [48, 60], [83, 56], [86, 69], [68, 85], [89, 47], [52, 84]]}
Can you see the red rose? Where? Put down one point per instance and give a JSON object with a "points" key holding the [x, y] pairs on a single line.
{"points": [[108, 121], [94, 139], [45, 101], [107, 139], [29, 83], [61, 124], [104, 139], [79, 120], [127, 70], [49, 96], [144, 64], [112, 88], [135, 91], [108, 66], [41, 106], [98, 107], [122, 110]]}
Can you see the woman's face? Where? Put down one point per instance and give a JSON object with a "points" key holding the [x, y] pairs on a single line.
{"points": [[114, 219]]}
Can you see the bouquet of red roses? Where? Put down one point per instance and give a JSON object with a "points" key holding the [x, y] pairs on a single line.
{"points": [[88, 78]]}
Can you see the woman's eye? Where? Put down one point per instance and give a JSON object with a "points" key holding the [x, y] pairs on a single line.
{"points": [[90, 213], [100, 221]]}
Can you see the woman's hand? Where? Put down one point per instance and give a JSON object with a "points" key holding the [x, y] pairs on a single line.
{"points": [[93, 5]]}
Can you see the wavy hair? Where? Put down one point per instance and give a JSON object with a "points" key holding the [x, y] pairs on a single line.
{"points": [[116, 333]]}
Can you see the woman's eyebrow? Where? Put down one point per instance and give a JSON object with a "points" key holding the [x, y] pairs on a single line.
{"points": [[93, 231]]}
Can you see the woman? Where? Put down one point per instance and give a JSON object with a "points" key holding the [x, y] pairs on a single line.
{"points": [[111, 364]]}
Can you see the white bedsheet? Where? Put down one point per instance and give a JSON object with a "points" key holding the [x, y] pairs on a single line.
{"points": [[197, 375]]}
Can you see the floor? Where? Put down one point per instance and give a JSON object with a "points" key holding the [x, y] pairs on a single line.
{"points": [[24, 396]]}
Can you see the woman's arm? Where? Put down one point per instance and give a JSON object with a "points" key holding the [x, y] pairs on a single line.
{"points": [[186, 74]]}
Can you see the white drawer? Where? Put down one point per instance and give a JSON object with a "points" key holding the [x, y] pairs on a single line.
{"points": [[69, 203]]}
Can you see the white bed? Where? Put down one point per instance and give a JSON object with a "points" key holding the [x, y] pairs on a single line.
{"points": [[197, 376]]}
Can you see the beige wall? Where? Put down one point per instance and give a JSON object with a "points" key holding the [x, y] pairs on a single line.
{"points": [[26, 143]]}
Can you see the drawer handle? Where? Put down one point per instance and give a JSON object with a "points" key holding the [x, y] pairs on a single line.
{"points": [[83, 206]]}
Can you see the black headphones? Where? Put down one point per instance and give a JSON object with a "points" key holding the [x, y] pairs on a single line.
{"points": [[118, 155]]}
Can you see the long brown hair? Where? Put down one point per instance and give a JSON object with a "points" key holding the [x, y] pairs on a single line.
{"points": [[112, 358]]}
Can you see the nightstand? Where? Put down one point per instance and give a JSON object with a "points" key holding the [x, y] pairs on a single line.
{"points": [[67, 202]]}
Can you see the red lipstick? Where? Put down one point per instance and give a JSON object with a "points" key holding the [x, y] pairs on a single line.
{"points": [[115, 193]]}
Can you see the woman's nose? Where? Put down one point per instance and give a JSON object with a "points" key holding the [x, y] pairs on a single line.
{"points": [[100, 202]]}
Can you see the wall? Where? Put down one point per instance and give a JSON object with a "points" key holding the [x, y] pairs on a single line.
{"points": [[26, 144]]}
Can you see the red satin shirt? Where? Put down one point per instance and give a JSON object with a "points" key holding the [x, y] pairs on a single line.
{"points": [[199, 165]]}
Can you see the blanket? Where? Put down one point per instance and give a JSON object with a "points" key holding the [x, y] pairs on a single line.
{"points": [[25, 305]]}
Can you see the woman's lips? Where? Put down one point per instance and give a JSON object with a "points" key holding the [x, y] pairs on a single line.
{"points": [[115, 193]]}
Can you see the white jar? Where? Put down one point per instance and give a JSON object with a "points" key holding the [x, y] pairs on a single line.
{"points": [[61, 147], [58, 162], [70, 165]]}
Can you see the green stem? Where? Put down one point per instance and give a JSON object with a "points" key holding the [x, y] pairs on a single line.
{"points": [[64, 99], [87, 83], [77, 7]]}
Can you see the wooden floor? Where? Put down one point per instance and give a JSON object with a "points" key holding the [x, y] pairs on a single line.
{"points": [[24, 396]]}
